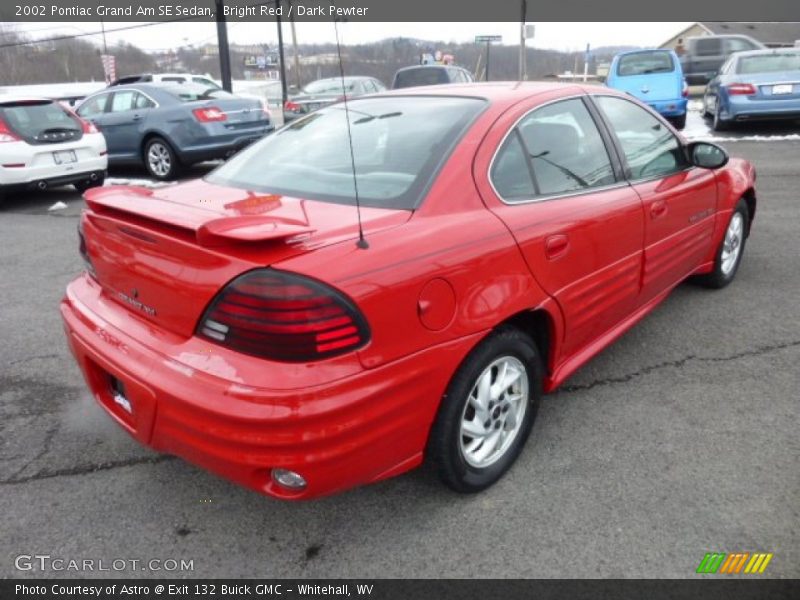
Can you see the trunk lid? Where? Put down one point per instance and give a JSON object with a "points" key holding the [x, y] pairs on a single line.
{"points": [[164, 254]]}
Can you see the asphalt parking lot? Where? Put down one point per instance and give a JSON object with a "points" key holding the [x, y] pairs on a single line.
{"points": [[678, 440]]}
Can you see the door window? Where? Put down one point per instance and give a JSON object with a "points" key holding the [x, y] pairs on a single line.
{"points": [[650, 148], [93, 106], [122, 101], [565, 149], [737, 45]]}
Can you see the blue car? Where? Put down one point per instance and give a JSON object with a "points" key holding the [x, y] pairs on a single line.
{"points": [[655, 77], [169, 126], [755, 85]]}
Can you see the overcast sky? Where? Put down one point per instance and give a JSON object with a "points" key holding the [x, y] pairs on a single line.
{"points": [[559, 36]]}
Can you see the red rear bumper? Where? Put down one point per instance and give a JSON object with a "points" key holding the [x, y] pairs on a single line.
{"points": [[351, 431]]}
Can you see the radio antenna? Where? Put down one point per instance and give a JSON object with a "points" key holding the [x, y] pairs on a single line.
{"points": [[362, 242]]}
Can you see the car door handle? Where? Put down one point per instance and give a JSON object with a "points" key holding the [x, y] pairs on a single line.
{"points": [[658, 209], [137, 117], [555, 246]]}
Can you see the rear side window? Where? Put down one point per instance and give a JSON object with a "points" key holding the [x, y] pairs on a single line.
{"points": [[650, 148], [33, 120], [708, 47], [644, 63], [421, 76], [511, 174], [141, 101]]}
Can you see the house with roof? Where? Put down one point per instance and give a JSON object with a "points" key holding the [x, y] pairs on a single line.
{"points": [[772, 35]]}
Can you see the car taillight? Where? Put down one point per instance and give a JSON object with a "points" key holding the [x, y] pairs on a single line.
{"points": [[210, 114], [6, 135], [685, 90], [292, 106], [84, 251], [741, 89], [284, 317], [87, 126]]}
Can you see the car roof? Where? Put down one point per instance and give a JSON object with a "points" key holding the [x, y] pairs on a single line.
{"points": [[767, 51], [500, 93], [428, 67], [10, 98], [643, 51]]}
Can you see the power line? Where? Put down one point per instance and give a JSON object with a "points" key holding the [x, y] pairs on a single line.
{"points": [[126, 28]]}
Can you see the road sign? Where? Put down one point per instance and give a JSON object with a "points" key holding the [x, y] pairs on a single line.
{"points": [[530, 31], [486, 39]]}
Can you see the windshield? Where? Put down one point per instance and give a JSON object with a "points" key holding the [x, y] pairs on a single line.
{"points": [[398, 145], [769, 63], [33, 118], [328, 86], [190, 92], [644, 63], [421, 76]]}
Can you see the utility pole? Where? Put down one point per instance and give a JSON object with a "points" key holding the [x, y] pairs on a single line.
{"points": [[294, 50], [222, 46], [284, 93], [522, 48]]}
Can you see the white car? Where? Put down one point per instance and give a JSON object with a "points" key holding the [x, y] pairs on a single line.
{"points": [[43, 144]]}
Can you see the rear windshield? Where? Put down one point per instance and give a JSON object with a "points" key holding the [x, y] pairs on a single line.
{"points": [[329, 86], [644, 63], [398, 145], [34, 118], [192, 93], [769, 63], [422, 76]]}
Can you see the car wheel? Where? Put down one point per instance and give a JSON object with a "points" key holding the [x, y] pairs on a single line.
{"points": [[679, 121], [706, 112], [730, 251], [160, 159], [718, 124], [487, 412], [82, 186]]}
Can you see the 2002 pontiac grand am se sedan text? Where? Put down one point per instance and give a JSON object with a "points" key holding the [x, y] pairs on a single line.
{"points": [[513, 231]]}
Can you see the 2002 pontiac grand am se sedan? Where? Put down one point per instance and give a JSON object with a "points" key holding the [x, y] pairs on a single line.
{"points": [[512, 232]]}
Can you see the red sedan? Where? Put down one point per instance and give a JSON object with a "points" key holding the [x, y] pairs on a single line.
{"points": [[510, 233]]}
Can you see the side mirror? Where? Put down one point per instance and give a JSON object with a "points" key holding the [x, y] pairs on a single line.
{"points": [[707, 155]]}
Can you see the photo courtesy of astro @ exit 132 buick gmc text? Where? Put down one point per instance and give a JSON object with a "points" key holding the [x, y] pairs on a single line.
{"points": [[353, 299]]}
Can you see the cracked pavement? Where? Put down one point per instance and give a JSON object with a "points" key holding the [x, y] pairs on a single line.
{"points": [[679, 439]]}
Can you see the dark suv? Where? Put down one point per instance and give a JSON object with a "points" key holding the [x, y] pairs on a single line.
{"points": [[430, 75], [705, 54]]}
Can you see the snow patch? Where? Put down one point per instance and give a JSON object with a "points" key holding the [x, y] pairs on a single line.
{"points": [[146, 183]]}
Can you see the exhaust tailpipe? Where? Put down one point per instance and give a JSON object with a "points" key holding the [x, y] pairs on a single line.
{"points": [[42, 185]]}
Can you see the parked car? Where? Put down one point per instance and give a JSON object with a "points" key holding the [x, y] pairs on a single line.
{"points": [[654, 77], [166, 127], [203, 80], [430, 75], [324, 92], [268, 324], [757, 85], [705, 54], [44, 144]]}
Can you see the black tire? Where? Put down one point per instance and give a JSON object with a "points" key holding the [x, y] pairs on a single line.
{"points": [[82, 186], [720, 277], [445, 451], [718, 124], [680, 121], [166, 169]]}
